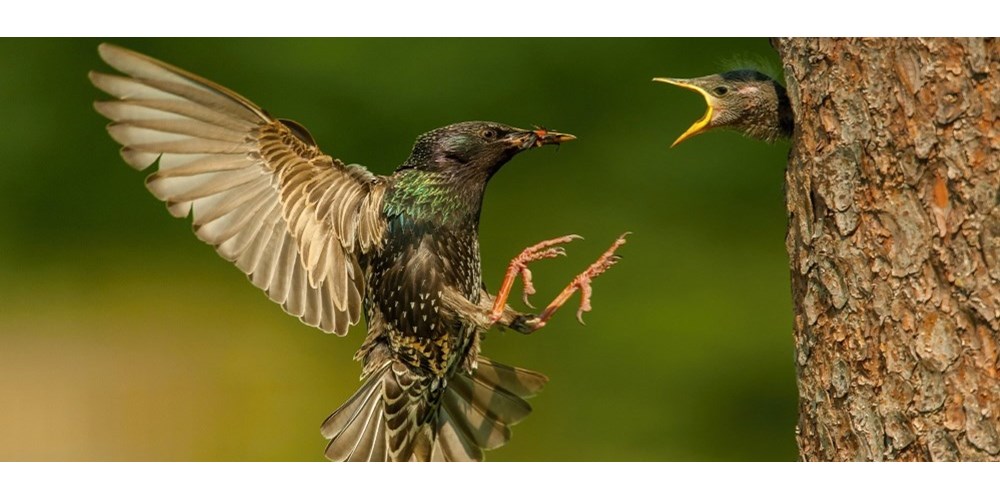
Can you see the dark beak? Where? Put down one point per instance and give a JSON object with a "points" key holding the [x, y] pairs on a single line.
{"points": [[539, 137]]}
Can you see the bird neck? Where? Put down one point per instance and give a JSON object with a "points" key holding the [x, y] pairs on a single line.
{"points": [[770, 119], [436, 198]]}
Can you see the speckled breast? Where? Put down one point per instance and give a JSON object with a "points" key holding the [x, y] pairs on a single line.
{"points": [[407, 279]]}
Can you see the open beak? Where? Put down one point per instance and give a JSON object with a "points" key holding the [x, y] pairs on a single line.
{"points": [[700, 125], [539, 137]]}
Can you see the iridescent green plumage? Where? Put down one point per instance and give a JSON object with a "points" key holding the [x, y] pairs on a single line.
{"points": [[417, 196]]}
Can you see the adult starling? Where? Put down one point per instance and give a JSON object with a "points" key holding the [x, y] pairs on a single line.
{"points": [[330, 241], [745, 100]]}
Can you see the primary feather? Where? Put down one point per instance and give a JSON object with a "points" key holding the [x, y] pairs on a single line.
{"points": [[286, 214]]}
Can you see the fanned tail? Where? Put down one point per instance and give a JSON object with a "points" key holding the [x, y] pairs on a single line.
{"points": [[357, 429], [387, 419], [478, 409]]}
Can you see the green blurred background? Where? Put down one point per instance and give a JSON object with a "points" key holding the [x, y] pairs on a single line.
{"points": [[122, 337]]}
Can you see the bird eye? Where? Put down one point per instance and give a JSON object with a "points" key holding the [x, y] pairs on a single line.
{"points": [[720, 91], [489, 134]]}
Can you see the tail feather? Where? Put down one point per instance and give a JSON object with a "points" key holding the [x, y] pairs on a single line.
{"points": [[336, 422], [477, 425], [479, 408], [387, 418], [380, 450], [423, 446], [365, 450], [407, 399], [452, 444], [517, 381], [352, 428], [492, 400]]}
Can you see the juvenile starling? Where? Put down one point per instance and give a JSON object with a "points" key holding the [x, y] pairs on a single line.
{"points": [[745, 100], [330, 241]]}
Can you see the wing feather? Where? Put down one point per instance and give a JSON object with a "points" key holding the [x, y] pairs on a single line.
{"points": [[168, 109], [258, 189]]}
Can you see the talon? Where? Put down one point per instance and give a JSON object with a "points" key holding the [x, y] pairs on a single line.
{"points": [[582, 283], [529, 287], [519, 266]]}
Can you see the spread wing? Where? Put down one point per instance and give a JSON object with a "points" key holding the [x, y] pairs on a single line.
{"points": [[260, 190]]}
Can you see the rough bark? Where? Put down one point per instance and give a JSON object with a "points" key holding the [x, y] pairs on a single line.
{"points": [[894, 246]]}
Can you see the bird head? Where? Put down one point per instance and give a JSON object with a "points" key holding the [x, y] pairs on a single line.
{"points": [[476, 147], [744, 100]]}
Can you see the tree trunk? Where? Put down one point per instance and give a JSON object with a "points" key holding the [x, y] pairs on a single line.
{"points": [[894, 246]]}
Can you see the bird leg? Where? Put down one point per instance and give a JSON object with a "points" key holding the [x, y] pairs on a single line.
{"points": [[528, 323], [519, 266]]}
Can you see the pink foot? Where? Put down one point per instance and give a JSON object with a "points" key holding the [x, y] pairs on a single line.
{"points": [[582, 283], [519, 266]]}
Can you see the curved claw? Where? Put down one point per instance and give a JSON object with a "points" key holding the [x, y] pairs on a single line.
{"points": [[519, 266], [582, 283], [529, 288]]}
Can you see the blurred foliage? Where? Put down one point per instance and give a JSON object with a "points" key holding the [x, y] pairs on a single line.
{"points": [[125, 338]]}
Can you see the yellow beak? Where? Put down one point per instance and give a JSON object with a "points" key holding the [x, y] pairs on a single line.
{"points": [[700, 125]]}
